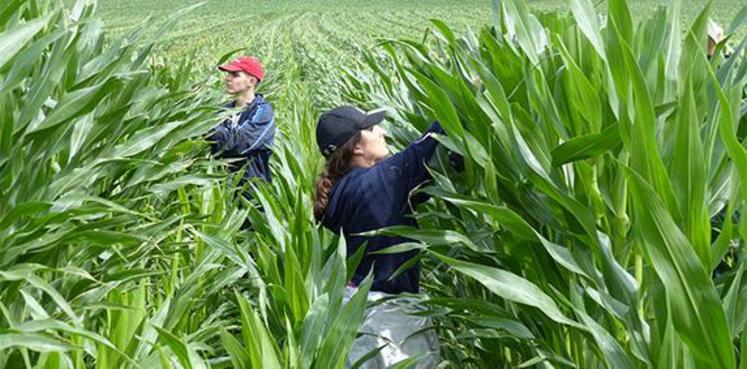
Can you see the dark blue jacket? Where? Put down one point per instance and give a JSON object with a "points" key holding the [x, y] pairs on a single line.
{"points": [[248, 137], [371, 198]]}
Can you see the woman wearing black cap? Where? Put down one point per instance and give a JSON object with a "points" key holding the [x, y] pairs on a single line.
{"points": [[363, 188]]}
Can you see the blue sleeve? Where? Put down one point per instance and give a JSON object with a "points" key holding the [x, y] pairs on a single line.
{"points": [[252, 134], [412, 160]]}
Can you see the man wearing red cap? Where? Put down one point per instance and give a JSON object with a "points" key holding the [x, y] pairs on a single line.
{"points": [[248, 134]]}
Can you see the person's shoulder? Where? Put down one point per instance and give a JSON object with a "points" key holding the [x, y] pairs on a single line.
{"points": [[391, 165], [260, 112], [262, 101], [264, 107], [383, 174]]}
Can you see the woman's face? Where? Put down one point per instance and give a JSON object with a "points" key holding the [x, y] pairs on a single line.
{"points": [[372, 146]]}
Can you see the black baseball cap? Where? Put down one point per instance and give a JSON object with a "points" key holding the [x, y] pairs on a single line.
{"points": [[337, 126]]}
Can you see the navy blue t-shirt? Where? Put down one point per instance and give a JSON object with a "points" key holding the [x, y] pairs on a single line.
{"points": [[371, 198], [249, 136]]}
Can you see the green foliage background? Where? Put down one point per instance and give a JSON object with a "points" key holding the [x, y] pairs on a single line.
{"points": [[598, 150]]}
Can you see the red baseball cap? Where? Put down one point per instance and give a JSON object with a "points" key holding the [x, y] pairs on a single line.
{"points": [[248, 64]]}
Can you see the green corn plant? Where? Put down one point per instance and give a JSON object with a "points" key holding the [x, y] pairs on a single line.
{"points": [[597, 151], [94, 143], [121, 241], [94, 146]]}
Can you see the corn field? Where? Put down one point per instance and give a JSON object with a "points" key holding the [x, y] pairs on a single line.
{"points": [[598, 222]]}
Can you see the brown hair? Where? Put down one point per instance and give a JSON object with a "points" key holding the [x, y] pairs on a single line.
{"points": [[336, 167]]}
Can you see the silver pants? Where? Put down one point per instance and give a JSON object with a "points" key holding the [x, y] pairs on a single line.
{"points": [[388, 325]]}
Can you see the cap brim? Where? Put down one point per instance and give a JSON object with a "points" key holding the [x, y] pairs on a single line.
{"points": [[229, 68], [373, 118]]}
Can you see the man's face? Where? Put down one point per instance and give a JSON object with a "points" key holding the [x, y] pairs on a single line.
{"points": [[239, 82]]}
